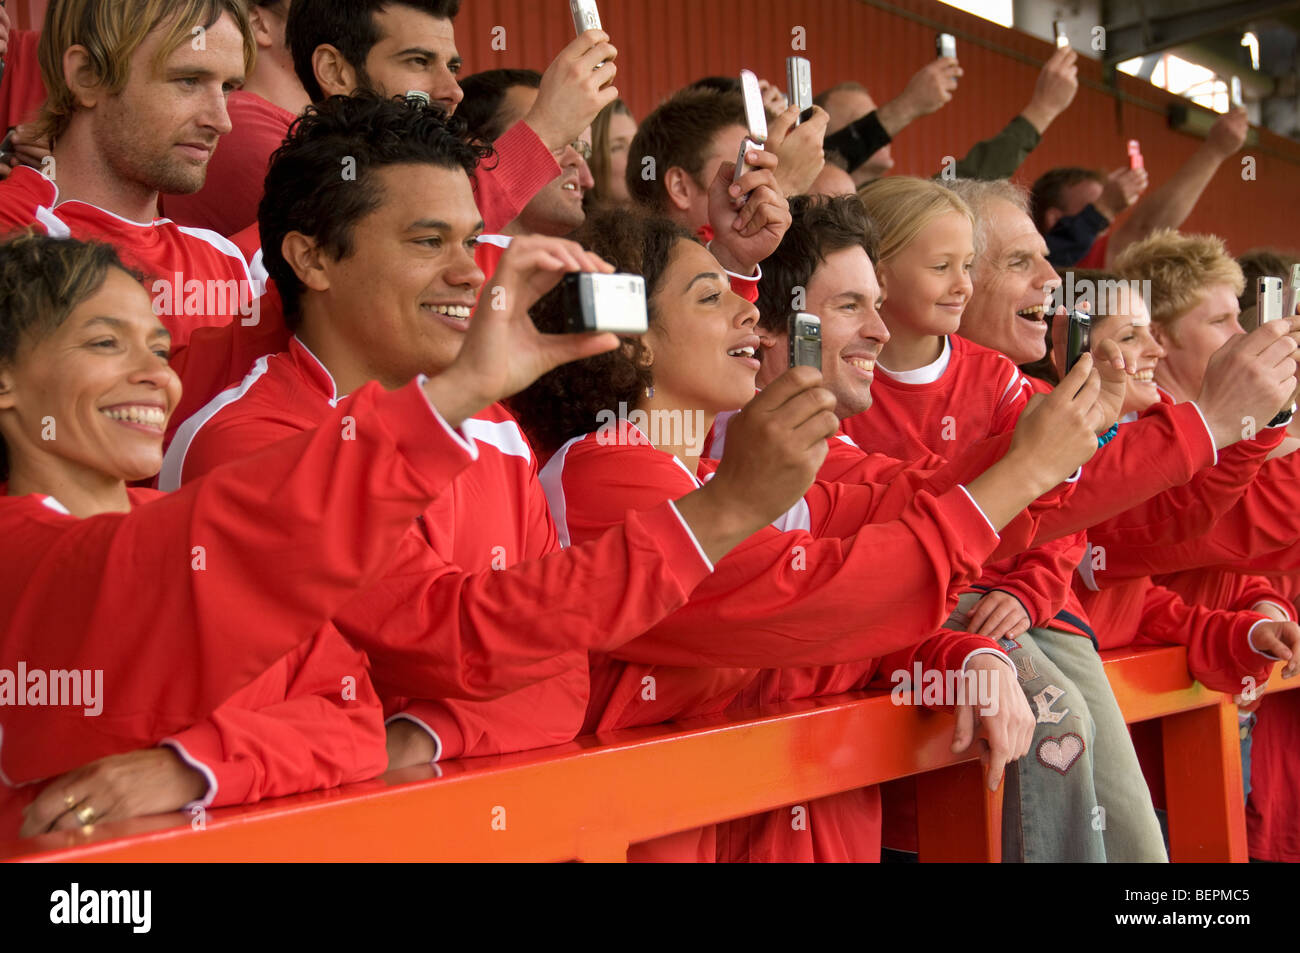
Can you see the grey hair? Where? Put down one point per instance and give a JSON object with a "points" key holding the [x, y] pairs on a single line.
{"points": [[979, 194]]}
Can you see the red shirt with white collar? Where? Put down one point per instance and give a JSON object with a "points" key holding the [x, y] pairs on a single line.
{"points": [[195, 277], [470, 609], [791, 595], [970, 393], [181, 606]]}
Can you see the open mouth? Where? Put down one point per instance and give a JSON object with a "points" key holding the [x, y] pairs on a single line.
{"points": [[1033, 314], [454, 315], [1145, 376], [137, 416], [746, 355], [865, 367], [573, 187]]}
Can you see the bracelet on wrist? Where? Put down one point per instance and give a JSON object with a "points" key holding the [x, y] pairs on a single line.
{"points": [[1108, 436]]}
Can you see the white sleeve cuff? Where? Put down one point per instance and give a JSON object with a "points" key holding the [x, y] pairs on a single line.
{"points": [[686, 526], [437, 742], [197, 765], [1285, 610], [998, 653], [757, 276], [1206, 424], [979, 510], [465, 442], [1250, 637], [1074, 477]]}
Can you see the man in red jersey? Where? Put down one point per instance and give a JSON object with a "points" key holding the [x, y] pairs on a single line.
{"points": [[136, 110], [391, 47], [261, 113], [379, 282]]}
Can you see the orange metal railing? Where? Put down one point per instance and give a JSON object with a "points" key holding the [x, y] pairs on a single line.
{"points": [[590, 799]]}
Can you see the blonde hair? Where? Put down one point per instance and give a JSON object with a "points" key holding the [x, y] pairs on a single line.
{"points": [[1181, 269], [112, 31], [901, 207]]}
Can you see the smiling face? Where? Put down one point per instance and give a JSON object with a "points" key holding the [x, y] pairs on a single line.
{"points": [[400, 304], [556, 209], [844, 293], [1191, 339], [415, 51], [1130, 328], [928, 283], [1013, 285], [93, 397], [703, 340], [160, 131]]}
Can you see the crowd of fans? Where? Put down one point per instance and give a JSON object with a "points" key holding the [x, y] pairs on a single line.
{"points": [[298, 460]]}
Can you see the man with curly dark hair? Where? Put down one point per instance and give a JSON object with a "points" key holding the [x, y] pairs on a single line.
{"points": [[379, 280]]}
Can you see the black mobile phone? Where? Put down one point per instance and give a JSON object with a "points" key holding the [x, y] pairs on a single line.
{"points": [[599, 302], [1078, 338], [805, 340]]}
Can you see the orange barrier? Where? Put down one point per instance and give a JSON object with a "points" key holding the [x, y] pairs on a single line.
{"points": [[590, 799], [1201, 747]]}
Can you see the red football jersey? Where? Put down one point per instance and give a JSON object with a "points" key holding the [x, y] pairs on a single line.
{"points": [[196, 278], [470, 609]]}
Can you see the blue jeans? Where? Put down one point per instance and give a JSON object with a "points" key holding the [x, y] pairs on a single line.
{"points": [[1079, 795]]}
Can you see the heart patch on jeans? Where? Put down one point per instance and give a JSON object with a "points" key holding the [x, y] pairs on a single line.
{"points": [[1059, 754]]}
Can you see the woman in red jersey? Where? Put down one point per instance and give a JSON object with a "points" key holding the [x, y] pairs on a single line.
{"points": [[196, 622], [838, 600]]}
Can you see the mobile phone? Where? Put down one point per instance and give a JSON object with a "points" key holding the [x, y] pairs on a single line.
{"points": [[599, 302], [585, 15], [1234, 92], [755, 122], [1268, 299], [1058, 31], [798, 74], [946, 45], [1135, 160], [805, 340], [1078, 338], [1291, 295], [418, 97]]}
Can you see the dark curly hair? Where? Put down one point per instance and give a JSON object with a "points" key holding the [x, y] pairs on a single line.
{"points": [[567, 402], [819, 226], [321, 180]]}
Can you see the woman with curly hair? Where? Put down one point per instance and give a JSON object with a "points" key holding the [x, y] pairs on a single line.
{"points": [[794, 594]]}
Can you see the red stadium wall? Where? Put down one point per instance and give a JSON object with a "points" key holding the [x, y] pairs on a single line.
{"points": [[665, 44]]}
